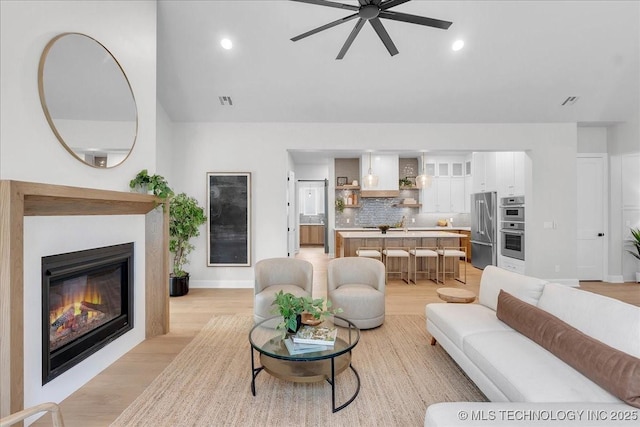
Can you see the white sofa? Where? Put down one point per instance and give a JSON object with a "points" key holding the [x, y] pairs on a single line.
{"points": [[509, 367]]}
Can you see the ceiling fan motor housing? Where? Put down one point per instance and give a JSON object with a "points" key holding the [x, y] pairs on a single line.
{"points": [[369, 11]]}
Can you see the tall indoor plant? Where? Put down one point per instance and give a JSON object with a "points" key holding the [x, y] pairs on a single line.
{"points": [[635, 244], [185, 219]]}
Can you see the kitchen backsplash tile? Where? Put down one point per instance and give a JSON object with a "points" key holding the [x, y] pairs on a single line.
{"points": [[376, 211]]}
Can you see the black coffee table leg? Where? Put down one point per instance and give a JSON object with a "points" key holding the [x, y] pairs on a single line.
{"points": [[254, 373], [332, 381]]}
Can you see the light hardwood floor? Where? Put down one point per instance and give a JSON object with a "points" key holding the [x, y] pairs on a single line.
{"points": [[103, 398]]}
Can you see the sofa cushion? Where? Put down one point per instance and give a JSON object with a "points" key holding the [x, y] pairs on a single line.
{"points": [[606, 319], [526, 372], [612, 369], [457, 321], [493, 279]]}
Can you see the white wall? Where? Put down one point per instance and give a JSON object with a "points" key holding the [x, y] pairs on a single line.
{"points": [[29, 151], [623, 140], [592, 139], [262, 150]]}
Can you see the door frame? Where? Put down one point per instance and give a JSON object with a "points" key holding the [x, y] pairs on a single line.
{"points": [[605, 207]]}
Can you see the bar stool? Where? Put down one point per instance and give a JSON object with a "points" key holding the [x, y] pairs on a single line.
{"points": [[428, 253], [456, 253], [370, 252], [396, 252]]}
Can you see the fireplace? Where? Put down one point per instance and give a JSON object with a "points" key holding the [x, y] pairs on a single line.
{"points": [[87, 302]]}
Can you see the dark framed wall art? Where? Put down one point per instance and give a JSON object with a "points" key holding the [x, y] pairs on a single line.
{"points": [[229, 225]]}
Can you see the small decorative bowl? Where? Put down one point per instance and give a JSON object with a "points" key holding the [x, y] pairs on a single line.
{"points": [[308, 319]]}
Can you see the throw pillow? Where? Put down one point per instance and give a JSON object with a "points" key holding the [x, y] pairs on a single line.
{"points": [[613, 370]]}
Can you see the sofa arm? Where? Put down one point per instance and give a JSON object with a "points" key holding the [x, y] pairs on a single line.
{"points": [[520, 414]]}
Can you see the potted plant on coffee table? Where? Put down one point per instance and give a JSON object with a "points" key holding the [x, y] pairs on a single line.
{"points": [[185, 219], [634, 241], [296, 311]]}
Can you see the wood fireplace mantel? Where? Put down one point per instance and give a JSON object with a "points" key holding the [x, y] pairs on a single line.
{"points": [[19, 199]]}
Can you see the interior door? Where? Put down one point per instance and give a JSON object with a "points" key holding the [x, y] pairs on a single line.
{"points": [[590, 217], [292, 228]]}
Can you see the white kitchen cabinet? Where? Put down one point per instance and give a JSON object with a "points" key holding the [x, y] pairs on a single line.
{"points": [[430, 197], [630, 171], [468, 185], [457, 194], [446, 194], [510, 173], [483, 165], [511, 264], [443, 201], [457, 169]]}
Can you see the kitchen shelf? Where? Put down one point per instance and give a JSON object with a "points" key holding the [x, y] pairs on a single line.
{"points": [[347, 187], [352, 206], [405, 205]]}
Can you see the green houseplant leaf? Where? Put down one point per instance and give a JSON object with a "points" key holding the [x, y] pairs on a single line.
{"points": [[290, 306], [157, 184], [634, 242], [185, 219]]}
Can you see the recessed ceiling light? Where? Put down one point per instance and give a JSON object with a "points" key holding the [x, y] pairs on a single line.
{"points": [[226, 44], [457, 45]]}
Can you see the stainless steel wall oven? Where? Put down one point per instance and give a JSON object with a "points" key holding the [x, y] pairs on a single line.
{"points": [[512, 227], [512, 242]]}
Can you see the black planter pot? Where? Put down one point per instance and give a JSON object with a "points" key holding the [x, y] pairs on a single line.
{"points": [[298, 324], [178, 286]]}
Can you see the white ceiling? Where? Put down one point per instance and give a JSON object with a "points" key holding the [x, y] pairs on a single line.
{"points": [[522, 59]]}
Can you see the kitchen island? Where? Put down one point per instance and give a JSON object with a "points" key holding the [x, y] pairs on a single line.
{"points": [[372, 233], [352, 240]]}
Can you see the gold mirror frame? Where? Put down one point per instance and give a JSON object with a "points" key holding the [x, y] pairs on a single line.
{"points": [[94, 129]]}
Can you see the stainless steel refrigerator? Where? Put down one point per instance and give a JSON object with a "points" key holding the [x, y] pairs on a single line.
{"points": [[484, 221]]}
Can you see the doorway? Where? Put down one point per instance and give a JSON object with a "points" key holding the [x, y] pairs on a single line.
{"points": [[312, 213], [591, 252]]}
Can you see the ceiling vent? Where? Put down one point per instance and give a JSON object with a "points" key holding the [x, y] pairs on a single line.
{"points": [[570, 101], [225, 100]]}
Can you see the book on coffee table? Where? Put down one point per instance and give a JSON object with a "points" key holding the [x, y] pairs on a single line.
{"points": [[316, 335], [298, 348]]}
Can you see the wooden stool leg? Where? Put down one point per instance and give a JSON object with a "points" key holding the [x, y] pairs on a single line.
{"points": [[433, 341]]}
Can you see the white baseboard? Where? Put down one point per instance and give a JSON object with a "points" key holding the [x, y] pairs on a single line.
{"points": [[221, 284], [615, 279]]}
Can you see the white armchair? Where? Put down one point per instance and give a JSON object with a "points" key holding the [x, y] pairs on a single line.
{"points": [[357, 286], [279, 274]]}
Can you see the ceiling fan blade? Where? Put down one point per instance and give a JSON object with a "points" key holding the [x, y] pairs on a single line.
{"points": [[329, 4], [351, 38], [384, 36], [363, 2], [391, 3], [324, 27], [414, 19]]}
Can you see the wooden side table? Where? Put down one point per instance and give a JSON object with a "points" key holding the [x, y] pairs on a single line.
{"points": [[454, 295]]}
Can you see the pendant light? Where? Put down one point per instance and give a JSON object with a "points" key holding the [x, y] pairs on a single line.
{"points": [[370, 180], [423, 180]]}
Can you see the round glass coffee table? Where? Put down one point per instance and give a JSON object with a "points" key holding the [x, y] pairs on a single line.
{"points": [[311, 365]]}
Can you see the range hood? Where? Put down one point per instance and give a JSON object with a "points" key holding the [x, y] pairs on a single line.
{"points": [[386, 167]]}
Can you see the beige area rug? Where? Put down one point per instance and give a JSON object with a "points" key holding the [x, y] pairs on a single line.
{"points": [[209, 383]]}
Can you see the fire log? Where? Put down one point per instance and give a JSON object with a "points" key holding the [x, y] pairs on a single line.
{"points": [[65, 317], [88, 306]]}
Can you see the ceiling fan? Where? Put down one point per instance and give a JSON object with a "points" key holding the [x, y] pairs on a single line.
{"points": [[372, 11]]}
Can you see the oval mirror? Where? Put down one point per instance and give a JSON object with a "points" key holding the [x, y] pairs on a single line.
{"points": [[87, 100]]}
